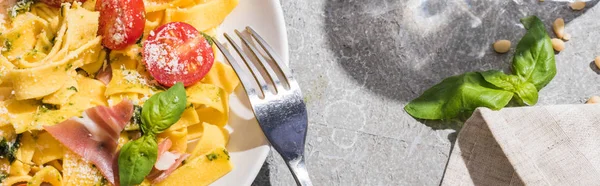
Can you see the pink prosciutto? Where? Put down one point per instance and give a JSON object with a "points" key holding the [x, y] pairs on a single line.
{"points": [[4, 6], [104, 74], [95, 135], [167, 161]]}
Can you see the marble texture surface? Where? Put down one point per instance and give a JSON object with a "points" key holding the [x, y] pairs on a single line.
{"points": [[359, 62]]}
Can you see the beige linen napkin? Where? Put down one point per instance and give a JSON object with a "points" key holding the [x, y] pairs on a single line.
{"points": [[549, 145]]}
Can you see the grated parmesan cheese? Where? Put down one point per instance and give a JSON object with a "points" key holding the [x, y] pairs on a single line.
{"points": [[118, 31], [133, 76], [157, 57]]}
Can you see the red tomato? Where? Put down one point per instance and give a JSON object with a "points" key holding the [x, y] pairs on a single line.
{"points": [[177, 52], [56, 3], [121, 22]]}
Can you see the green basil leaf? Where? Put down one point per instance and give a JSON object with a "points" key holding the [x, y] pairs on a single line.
{"points": [[534, 56], [527, 94], [163, 109], [136, 160], [500, 79], [458, 96]]}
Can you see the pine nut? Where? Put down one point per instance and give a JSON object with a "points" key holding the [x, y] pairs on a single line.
{"points": [[558, 44], [593, 100], [577, 5], [597, 61], [502, 46], [559, 27]]}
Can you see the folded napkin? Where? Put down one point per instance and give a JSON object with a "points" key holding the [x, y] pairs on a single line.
{"points": [[549, 145]]}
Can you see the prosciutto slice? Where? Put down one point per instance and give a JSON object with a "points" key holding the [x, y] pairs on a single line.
{"points": [[157, 175], [105, 74], [95, 135]]}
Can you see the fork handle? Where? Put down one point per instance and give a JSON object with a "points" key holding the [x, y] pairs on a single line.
{"points": [[299, 171]]}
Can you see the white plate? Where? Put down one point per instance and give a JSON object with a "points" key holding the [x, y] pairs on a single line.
{"points": [[248, 146]]}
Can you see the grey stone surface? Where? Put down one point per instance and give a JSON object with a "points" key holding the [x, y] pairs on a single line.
{"points": [[360, 61]]}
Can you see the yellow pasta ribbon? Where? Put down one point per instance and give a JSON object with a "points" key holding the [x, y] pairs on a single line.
{"points": [[127, 77], [13, 180], [212, 166], [47, 149], [62, 95], [202, 16], [178, 138], [48, 174], [188, 117], [212, 137], [209, 99], [222, 75], [22, 165]]}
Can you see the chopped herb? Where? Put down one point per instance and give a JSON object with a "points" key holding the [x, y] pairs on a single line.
{"points": [[8, 149], [211, 156], [7, 45], [103, 182], [20, 7], [139, 41], [208, 38], [45, 107], [72, 88], [68, 66], [226, 153], [3, 176], [71, 104], [135, 121]]}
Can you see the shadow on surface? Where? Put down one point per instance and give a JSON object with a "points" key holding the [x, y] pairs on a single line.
{"points": [[594, 67], [398, 49], [263, 178]]}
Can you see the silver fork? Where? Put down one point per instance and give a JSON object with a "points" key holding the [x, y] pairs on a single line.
{"points": [[280, 112]]}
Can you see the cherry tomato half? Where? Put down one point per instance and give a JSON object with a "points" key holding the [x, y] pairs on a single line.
{"points": [[177, 52], [121, 22]]}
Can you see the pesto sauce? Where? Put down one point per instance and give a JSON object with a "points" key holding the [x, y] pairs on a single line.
{"points": [[211, 156], [8, 149], [3, 176], [73, 88], [7, 45]]}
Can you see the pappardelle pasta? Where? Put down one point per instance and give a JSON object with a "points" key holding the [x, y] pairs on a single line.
{"points": [[113, 92]]}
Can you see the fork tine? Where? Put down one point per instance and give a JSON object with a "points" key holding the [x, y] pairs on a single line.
{"points": [[239, 71], [287, 73], [263, 87], [263, 63]]}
